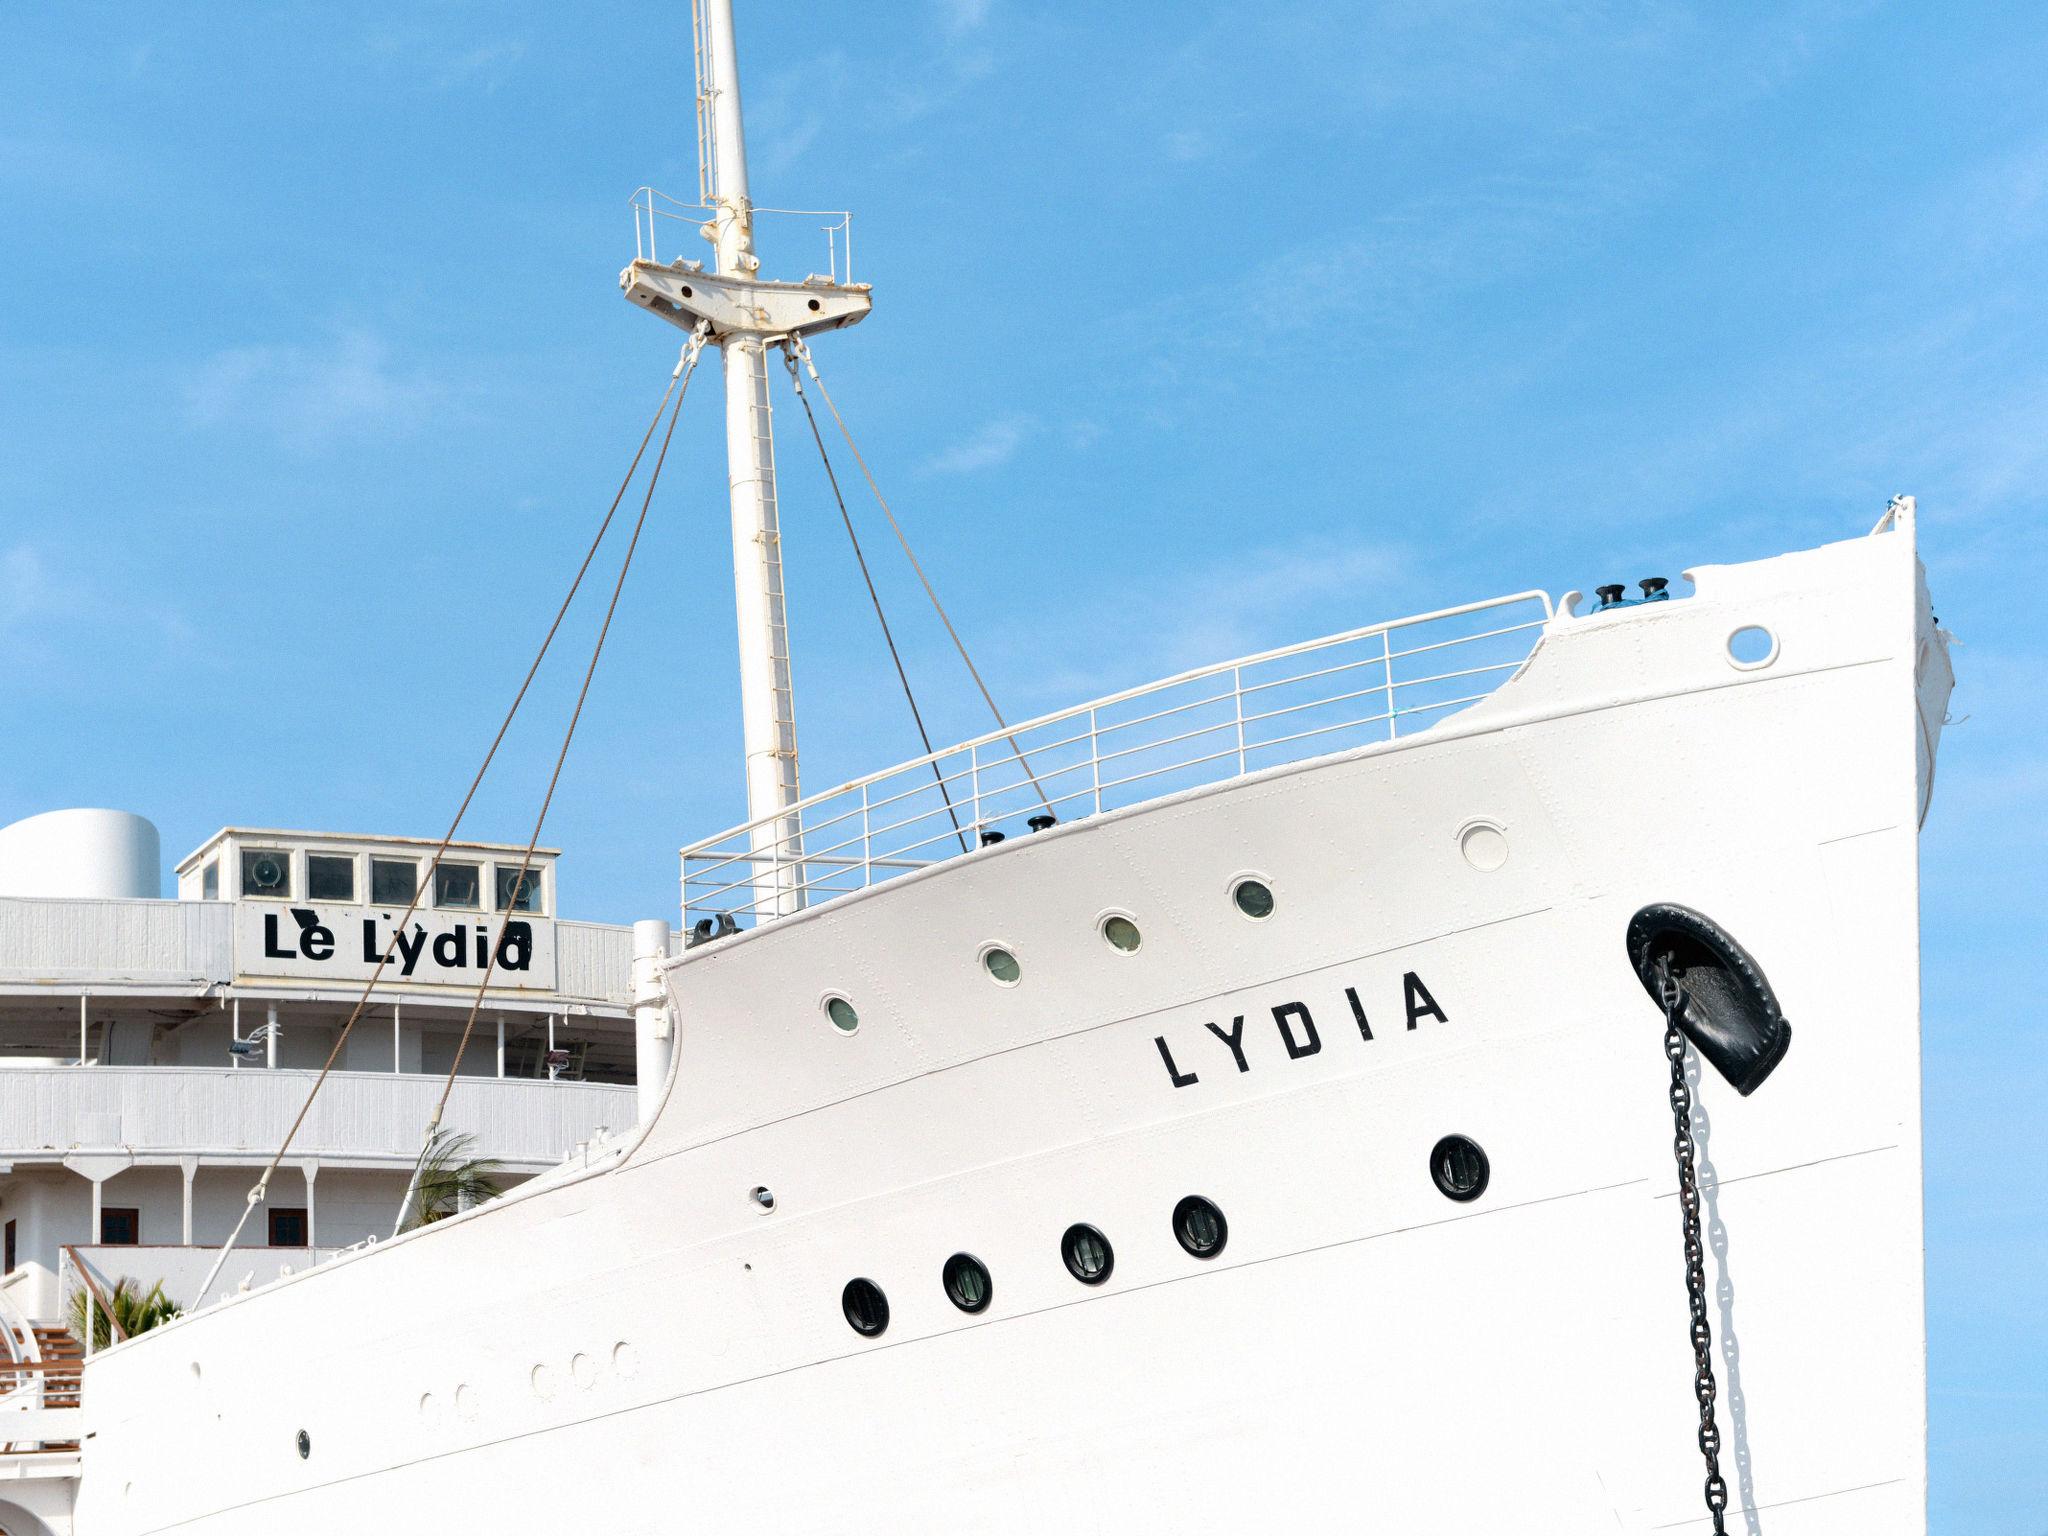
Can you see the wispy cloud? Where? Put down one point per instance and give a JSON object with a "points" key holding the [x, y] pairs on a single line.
{"points": [[314, 396], [485, 65], [995, 443], [1205, 613], [29, 592]]}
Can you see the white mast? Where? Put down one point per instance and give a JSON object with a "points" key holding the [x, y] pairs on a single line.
{"points": [[767, 697], [747, 315]]}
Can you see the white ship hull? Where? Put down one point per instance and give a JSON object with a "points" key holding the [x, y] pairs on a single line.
{"points": [[643, 1348]]}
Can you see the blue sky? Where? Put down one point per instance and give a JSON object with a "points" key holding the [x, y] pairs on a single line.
{"points": [[1198, 328]]}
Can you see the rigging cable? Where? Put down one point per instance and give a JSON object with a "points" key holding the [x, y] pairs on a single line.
{"points": [[262, 1185], [684, 369], [797, 383], [796, 344]]}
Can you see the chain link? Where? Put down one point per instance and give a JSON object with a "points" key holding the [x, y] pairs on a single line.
{"points": [[1672, 997]]}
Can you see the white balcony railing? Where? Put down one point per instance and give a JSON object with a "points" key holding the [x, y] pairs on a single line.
{"points": [[359, 1116], [1202, 727]]}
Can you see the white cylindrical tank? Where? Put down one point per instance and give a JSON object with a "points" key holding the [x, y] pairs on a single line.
{"points": [[109, 855]]}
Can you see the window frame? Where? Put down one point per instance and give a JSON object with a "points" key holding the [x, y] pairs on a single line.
{"points": [[284, 855], [355, 874], [134, 1215], [476, 868], [209, 880], [305, 1225], [535, 881], [371, 890]]}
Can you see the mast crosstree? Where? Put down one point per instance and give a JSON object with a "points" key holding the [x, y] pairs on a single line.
{"points": [[747, 315]]}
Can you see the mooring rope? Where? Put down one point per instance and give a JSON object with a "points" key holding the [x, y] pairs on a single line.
{"points": [[797, 383], [796, 344], [684, 370], [262, 1185]]}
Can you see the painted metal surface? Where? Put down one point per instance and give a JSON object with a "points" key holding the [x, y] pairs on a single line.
{"points": [[1360, 1333]]}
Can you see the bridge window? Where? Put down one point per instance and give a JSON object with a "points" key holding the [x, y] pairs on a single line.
{"points": [[517, 892], [267, 872], [330, 877], [394, 882], [209, 881], [455, 885]]}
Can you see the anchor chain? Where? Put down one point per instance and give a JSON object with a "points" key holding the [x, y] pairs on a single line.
{"points": [[1672, 997]]}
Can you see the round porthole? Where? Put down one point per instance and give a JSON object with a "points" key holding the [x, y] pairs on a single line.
{"points": [[1751, 647], [1121, 933], [1459, 1167], [967, 1283], [1200, 1227], [841, 1013], [305, 1445], [1088, 1254], [866, 1308], [1254, 898], [1001, 965], [762, 1198]]}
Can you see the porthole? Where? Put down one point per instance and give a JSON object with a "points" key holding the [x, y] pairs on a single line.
{"points": [[841, 1013], [967, 1283], [1254, 898], [762, 1198], [1459, 1167], [305, 1445], [1200, 1227], [1751, 647], [1121, 933], [866, 1308], [1088, 1254], [1001, 965]]}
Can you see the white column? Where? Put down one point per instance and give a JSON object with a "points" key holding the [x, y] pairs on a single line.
{"points": [[82, 1028], [501, 1046], [397, 1055], [311, 1168], [188, 1166], [270, 1039], [653, 1032]]}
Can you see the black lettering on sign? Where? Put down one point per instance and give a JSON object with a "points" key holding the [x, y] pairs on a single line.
{"points": [[1235, 1040], [1420, 1003], [409, 954], [450, 950], [1180, 1079], [1297, 1049], [316, 941], [515, 946], [270, 949], [370, 952], [1358, 1013]]}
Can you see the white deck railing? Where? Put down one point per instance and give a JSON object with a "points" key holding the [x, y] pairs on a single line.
{"points": [[1202, 727]]}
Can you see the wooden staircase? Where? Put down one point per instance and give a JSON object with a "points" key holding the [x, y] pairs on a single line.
{"points": [[62, 1368]]}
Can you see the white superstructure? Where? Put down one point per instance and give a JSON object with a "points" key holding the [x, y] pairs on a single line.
{"points": [[153, 1053]]}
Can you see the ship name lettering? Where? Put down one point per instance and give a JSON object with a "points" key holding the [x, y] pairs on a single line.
{"points": [[1296, 1027], [455, 949]]}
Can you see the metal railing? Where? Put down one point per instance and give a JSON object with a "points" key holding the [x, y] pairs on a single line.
{"points": [[1202, 727], [660, 220]]}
